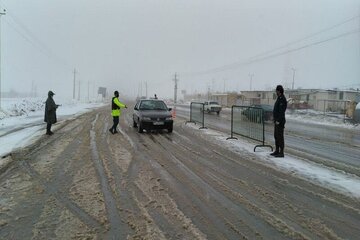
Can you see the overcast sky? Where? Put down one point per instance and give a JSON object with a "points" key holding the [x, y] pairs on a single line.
{"points": [[119, 44]]}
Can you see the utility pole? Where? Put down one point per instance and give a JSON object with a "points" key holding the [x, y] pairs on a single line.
{"points": [[208, 93], [88, 91], [213, 85], [94, 93], [294, 70], [251, 77], [146, 90], [74, 83], [138, 92], [141, 94], [175, 89], [3, 12], [79, 91]]}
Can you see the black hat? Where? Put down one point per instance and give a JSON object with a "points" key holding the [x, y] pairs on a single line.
{"points": [[280, 88], [51, 93], [116, 93]]}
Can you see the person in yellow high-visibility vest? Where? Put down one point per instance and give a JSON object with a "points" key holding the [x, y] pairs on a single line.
{"points": [[116, 106]]}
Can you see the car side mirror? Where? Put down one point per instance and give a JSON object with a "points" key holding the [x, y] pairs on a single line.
{"points": [[169, 109]]}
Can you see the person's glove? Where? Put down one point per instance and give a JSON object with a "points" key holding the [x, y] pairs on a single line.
{"points": [[125, 106]]}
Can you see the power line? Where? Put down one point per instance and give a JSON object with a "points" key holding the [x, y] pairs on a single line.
{"points": [[252, 60], [235, 64], [28, 32], [40, 49], [31, 38], [308, 36]]}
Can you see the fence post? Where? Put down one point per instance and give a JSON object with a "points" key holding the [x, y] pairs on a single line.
{"points": [[190, 121], [199, 120], [263, 123], [190, 110], [232, 124], [203, 117], [263, 130]]}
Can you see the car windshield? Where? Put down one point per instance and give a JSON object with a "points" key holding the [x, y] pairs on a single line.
{"points": [[215, 103], [152, 105]]}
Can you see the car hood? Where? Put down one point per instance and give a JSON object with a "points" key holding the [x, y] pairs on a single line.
{"points": [[155, 113]]}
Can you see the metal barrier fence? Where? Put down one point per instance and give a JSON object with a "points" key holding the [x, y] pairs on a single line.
{"points": [[334, 108], [197, 113], [248, 122]]}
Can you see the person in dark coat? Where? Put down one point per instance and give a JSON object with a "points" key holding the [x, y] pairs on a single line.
{"points": [[279, 122], [50, 112]]}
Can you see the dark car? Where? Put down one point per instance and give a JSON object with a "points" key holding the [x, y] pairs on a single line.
{"points": [[152, 114], [253, 113]]}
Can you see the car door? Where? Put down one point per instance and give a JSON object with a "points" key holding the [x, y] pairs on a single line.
{"points": [[136, 112]]}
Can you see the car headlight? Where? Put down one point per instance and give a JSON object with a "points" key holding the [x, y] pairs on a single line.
{"points": [[146, 118], [168, 118]]}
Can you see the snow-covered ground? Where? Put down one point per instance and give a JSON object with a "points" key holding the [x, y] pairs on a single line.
{"points": [[22, 120], [317, 117], [328, 177], [23, 123]]}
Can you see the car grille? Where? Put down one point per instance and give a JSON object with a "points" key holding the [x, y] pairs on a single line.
{"points": [[158, 119]]}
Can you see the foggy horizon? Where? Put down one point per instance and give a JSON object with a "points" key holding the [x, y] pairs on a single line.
{"points": [[216, 45]]}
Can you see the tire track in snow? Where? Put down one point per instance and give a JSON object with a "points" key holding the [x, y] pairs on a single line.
{"points": [[116, 230], [292, 186]]}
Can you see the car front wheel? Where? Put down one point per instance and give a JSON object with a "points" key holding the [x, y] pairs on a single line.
{"points": [[139, 128], [170, 129]]}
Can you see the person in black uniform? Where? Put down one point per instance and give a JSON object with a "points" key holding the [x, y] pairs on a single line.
{"points": [[50, 112], [279, 122]]}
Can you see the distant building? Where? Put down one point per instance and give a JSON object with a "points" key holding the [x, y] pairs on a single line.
{"points": [[327, 100], [317, 99], [228, 99]]}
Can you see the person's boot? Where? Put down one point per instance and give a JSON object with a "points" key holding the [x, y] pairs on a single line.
{"points": [[280, 154], [276, 152], [111, 130]]}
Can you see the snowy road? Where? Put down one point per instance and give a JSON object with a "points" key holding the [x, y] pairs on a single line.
{"points": [[332, 146], [84, 183]]}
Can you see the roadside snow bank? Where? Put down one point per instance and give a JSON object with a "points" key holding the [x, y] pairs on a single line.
{"points": [[19, 107], [24, 121], [328, 177]]}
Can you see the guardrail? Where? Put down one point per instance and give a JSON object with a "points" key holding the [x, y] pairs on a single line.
{"points": [[248, 122], [197, 113]]}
